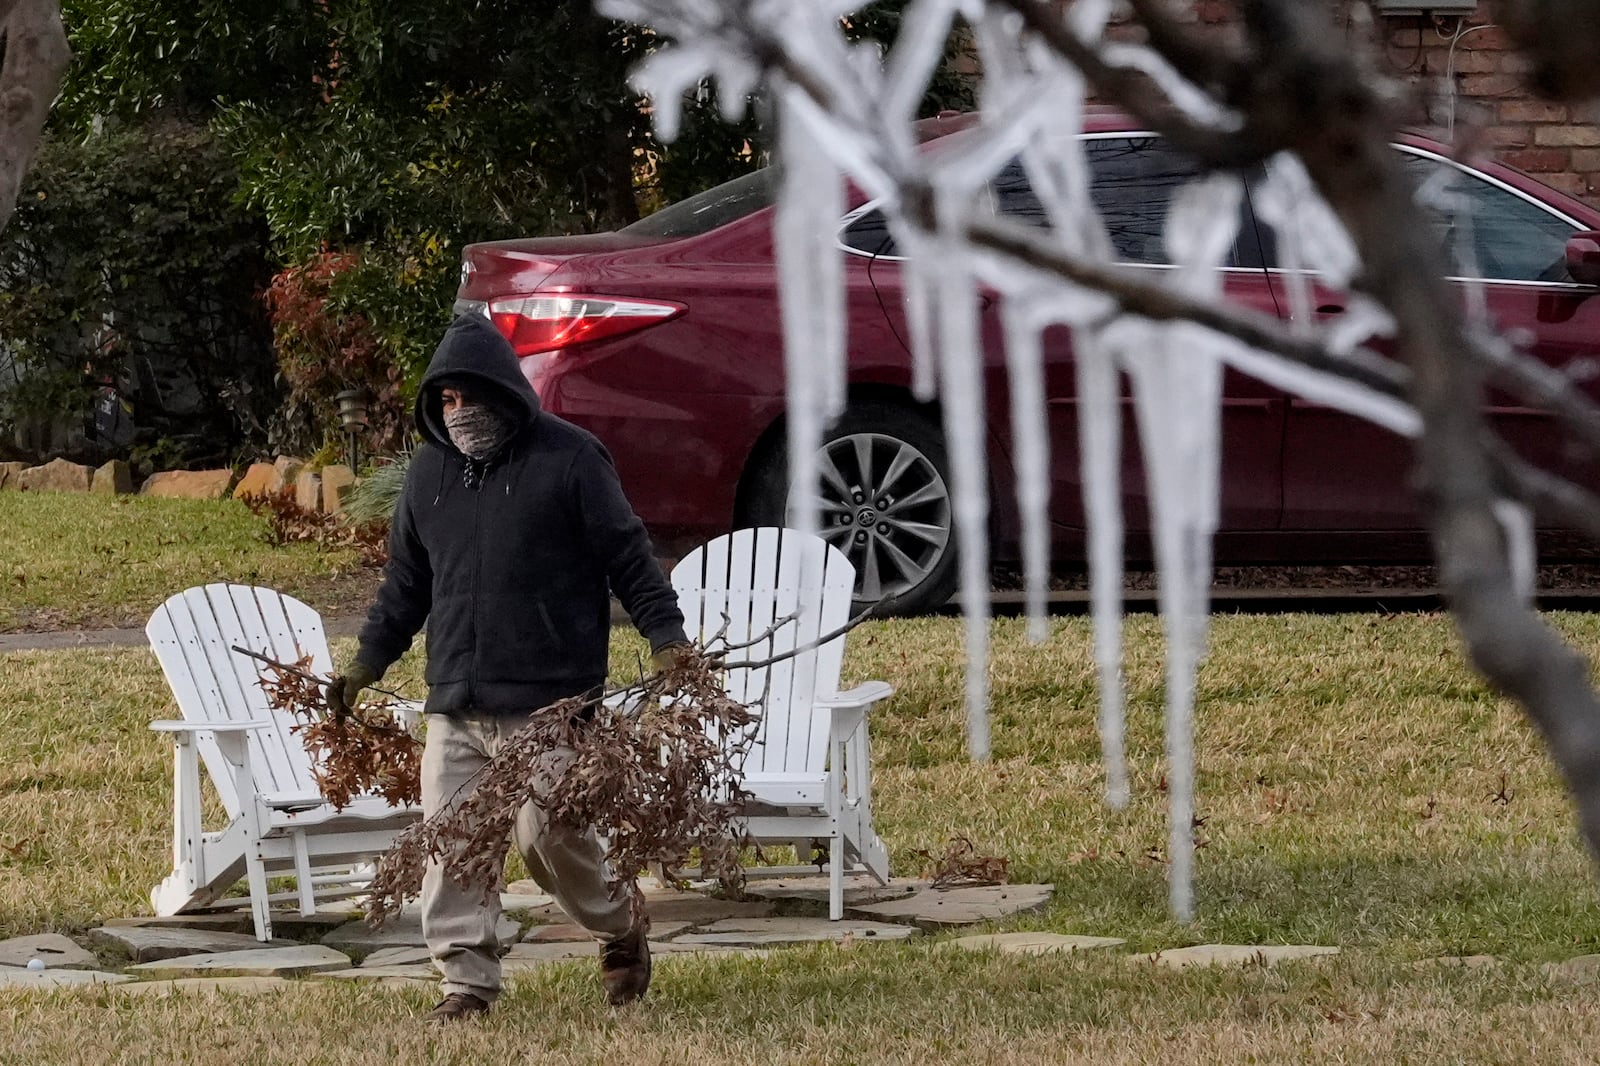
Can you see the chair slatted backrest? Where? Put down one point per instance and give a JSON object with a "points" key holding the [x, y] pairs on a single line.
{"points": [[743, 585], [193, 634]]}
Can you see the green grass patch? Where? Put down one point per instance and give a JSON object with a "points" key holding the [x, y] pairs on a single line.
{"points": [[1358, 788], [78, 560]]}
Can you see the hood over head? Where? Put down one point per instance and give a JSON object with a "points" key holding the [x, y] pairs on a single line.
{"points": [[472, 353]]}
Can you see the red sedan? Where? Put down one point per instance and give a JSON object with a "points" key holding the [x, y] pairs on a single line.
{"points": [[663, 339]]}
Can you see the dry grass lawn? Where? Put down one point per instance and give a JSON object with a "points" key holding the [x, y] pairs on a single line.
{"points": [[1358, 788], [76, 561]]}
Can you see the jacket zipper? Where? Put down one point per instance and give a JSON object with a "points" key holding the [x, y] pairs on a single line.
{"points": [[477, 573]]}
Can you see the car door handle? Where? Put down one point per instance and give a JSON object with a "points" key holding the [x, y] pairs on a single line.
{"points": [[1331, 309]]}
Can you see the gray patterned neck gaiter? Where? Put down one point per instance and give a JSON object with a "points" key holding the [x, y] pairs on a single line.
{"points": [[477, 429]]}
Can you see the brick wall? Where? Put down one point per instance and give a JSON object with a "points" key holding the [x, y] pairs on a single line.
{"points": [[1544, 139], [1490, 103]]}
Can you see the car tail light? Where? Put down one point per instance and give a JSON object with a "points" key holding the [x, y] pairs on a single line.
{"points": [[539, 324]]}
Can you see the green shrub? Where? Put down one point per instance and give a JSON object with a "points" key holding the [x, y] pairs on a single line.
{"points": [[374, 499], [129, 264]]}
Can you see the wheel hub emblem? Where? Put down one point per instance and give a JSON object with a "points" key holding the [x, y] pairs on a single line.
{"points": [[866, 517]]}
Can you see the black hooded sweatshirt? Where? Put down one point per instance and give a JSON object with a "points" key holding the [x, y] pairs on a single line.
{"points": [[511, 559]]}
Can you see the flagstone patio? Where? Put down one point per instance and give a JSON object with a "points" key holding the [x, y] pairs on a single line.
{"points": [[213, 952]]}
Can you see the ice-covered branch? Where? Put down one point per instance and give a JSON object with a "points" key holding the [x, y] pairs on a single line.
{"points": [[1163, 303], [1142, 95], [1550, 495], [1539, 385]]}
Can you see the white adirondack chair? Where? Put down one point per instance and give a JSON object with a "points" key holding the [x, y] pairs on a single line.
{"points": [[278, 824], [810, 769]]}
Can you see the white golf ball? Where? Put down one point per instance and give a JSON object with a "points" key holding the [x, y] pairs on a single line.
{"points": [[35, 964]]}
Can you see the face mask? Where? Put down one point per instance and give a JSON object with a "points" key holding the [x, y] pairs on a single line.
{"points": [[477, 429]]}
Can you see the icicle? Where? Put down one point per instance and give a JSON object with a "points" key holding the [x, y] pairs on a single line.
{"points": [[812, 282], [1177, 378], [1522, 557], [1100, 443], [961, 389], [1030, 435], [1310, 236]]}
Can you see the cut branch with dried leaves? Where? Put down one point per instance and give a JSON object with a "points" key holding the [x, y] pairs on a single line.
{"points": [[654, 767], [961, 864], [364, 752]]}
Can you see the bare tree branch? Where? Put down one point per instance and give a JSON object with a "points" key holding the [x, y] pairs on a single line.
{"points": [[1207, 61], [36, 57], [1140, 96], [1555, 497], [1562, 37], [1345, 148]]}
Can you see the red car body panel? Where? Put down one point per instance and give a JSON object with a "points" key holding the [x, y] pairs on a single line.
{"points": [[685, 405]]}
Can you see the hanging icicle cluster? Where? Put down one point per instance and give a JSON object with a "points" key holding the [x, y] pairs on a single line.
{"points": [[845, 112]]}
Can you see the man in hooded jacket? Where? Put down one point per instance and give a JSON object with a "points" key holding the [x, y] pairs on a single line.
{"points": [[510, 535]]}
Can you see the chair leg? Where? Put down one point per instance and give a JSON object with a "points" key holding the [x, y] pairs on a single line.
{"points": [[260, 907], [302, 875], [836, 878]]}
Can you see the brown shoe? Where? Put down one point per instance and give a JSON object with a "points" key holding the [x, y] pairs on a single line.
{"points": [[457, 1007], [625, 966]]}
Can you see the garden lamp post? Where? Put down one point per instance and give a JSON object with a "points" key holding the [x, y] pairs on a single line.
{"points": [[353, 417]]}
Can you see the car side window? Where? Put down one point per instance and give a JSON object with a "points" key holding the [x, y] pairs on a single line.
{"points": [[1132, 181], [1510, 238], [869, 233]]}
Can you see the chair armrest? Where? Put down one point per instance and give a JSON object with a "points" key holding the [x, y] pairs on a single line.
{"points": [[407, 714], [862, 696], [848, 710], [168, 726], [294, 804]]}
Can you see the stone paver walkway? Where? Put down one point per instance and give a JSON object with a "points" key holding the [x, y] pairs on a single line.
{"points": [[213, 953]]}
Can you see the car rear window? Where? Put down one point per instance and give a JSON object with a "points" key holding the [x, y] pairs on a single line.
{"points": [[704, 212]]}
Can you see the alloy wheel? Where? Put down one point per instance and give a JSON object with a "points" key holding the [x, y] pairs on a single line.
{"points": [[887, 507]]}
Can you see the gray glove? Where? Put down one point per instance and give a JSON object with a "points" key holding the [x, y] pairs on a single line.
{"points": [[344, 691]]}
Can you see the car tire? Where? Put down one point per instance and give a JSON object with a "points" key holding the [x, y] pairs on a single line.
{"points": [[895, 524]]}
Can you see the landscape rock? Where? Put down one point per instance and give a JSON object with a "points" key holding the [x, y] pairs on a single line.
{"points": [[223, 922], [1235, 955], [262, 479], [399, 932], [937, 908], [560, 933], [147, 944], [692, 907], [404, 956], [188, 484], [524, 893], [859, 890], [54, 950], [308, 491], [11, 978], [260, 962], [58, 475], [528, 956], [214, 986], [383, 974], [767, 932], [8, 474], [337, 481], [288, 468], [114, 478], [1029, 943], [1580, 967]]}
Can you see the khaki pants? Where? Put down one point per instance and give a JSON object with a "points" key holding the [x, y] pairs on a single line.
{"points": [[457, 924]]}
